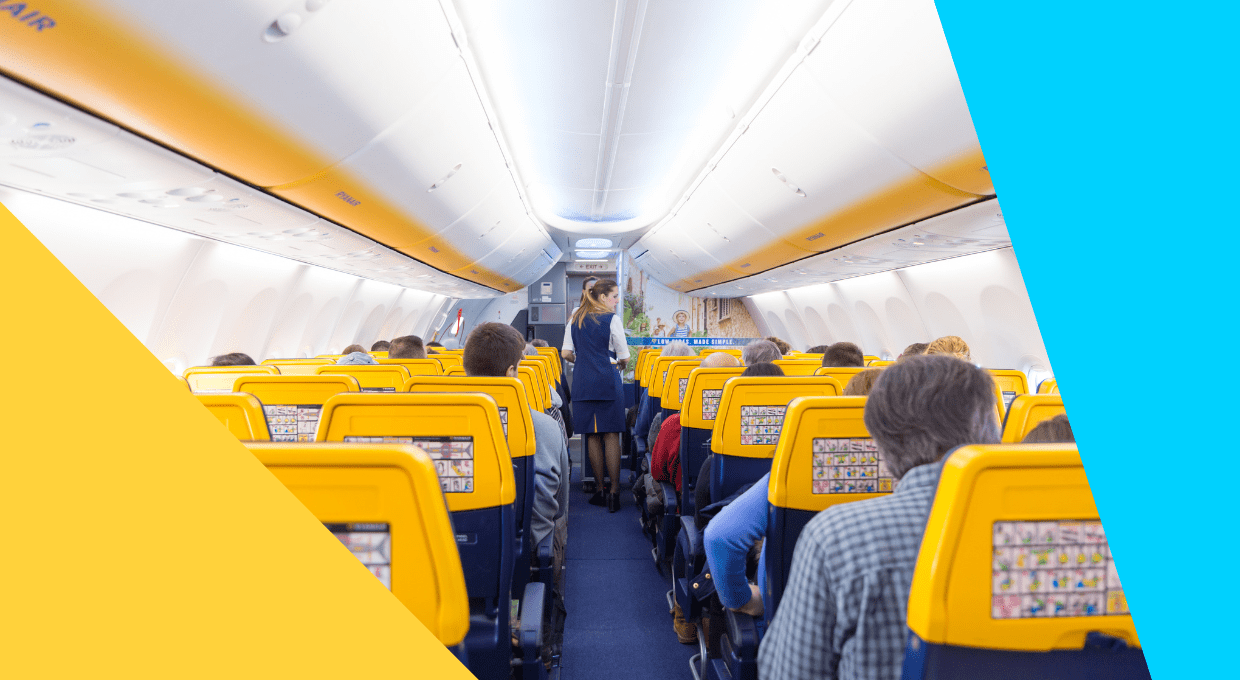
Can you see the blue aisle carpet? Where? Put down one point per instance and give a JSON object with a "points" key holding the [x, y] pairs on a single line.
{"points": [[618, 625]]}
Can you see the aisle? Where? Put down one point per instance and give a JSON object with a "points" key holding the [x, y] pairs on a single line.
{"points": [[618, 625]]}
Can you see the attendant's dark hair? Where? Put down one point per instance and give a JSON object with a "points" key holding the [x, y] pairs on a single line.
{"points": [[1052, 431], [592, 303], [232, 359], [843, 355], [925, 406], [491, 348], [763, 369]]}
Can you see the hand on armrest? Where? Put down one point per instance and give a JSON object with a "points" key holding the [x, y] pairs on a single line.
{"points": [[754, 606]]}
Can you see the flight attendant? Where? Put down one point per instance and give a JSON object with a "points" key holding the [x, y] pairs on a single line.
{"points": [[598, 394]]}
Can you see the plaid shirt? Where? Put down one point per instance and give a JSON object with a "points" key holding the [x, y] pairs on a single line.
{"points": [[844, 612]]}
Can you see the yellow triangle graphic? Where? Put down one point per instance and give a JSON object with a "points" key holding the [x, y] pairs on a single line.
{"points": [[144, 540]]}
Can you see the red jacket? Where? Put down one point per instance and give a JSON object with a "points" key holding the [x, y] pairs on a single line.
{"points": [[665, 459]]}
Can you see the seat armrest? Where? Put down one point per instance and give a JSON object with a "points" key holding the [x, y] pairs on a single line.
{"points": [[668, 492], [743, 632], [533, 612]]}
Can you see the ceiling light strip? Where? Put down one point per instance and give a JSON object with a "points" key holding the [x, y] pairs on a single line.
{"points": [[616, 97]]}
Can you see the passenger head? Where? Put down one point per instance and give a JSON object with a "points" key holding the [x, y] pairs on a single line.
{"points": [[531, 351], [433, 347], [407, 347], [784, 347], [923, 407], [720, 360], [381, 346], [914, 350], [356, 359], [232, 359], [1053, 431], [843, 355], [860, 384], [817, 349], [952, 345], [492, 350], [353, 348], [762, 368], [676, 348], [539, 343], [760, 351]]}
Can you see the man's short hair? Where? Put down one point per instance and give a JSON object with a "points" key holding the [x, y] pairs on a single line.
{"points": [[676, 348], [539, 343], [843, 355], [353, 348], [232, 359], [784, 347], [720, 360], [861, 383], [491, 349], [381, 346], [434, 347], [1052, 431], [817, 349], [406, 347], [925, 406], [952, 345], [914, 350], [760, 351], [762, 369]]}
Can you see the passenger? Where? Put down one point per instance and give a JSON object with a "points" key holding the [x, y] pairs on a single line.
{"points": [[232, 359], [358, 358], [784, 347], [951, 345], [762, 369], [539, 343], [817, 349], [914, 350], [409, 347], [598, 393], [860, 384], [845, 608], [1053, 431], [843, 355], [494, 350], [432, 346], [380, 346], [760, 351], [720, 360], [353, 348], [646, 416]]}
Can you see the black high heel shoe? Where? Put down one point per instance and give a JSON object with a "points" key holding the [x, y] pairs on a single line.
{"points": [[599, 498], [613, 502]]}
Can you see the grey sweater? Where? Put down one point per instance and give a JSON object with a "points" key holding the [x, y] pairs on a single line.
{"points": [[550, 475]]}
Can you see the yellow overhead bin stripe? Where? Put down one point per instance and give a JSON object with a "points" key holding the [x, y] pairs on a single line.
{"points": [[105, 67]]}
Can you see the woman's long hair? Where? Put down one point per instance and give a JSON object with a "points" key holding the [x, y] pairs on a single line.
{"points": [[591, 305]]}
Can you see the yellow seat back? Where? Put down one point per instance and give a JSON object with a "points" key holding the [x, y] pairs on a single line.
{"points": [[869, 357], [798, 366], [242, 414], [1026, 412], [730, 350], [878, 363], [461, 433], [293, 403], [1048, 387], [415, 366], [658, 376], [553, 355], [220, 378], [545, 362], [677, 383], [643, 356], [297, 366], [533, 386], [840, 373], [700, 405], [805, 356], [383, 502], [825, 456], [1011, 383], [751, 411], [380, 378], [445, 360], [509, 394], [1014, 556], [544, 378], [379, 354], [333, 357]]}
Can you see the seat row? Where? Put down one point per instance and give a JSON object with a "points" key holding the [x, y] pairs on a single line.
{"points": [[379, 470], [1048, 601]]}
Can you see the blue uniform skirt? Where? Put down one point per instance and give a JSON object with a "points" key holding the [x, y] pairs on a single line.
{"points": [[591, 416]]}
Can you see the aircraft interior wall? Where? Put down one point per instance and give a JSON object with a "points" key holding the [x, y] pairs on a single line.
{"points": [[980, 297], [188, 298]]}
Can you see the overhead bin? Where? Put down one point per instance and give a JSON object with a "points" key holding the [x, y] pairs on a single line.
{"points": [[818, 168], [315, 112]]}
